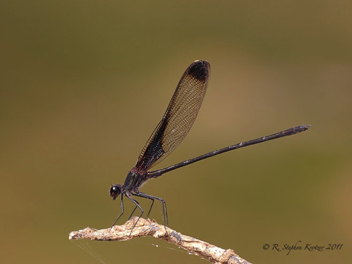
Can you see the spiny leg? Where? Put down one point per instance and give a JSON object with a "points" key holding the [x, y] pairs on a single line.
{"points": [[151, 197], [139, 207], [151, 206], [133, 211], [150, 209], [122, 211]]}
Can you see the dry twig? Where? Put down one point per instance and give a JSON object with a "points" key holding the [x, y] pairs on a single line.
{"points": [[151, 228]]}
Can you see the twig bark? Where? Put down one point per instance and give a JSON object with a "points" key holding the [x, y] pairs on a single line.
{"points": [[150, 228]]}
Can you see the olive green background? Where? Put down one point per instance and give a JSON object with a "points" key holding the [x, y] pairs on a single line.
{"points": [[84, 83]]}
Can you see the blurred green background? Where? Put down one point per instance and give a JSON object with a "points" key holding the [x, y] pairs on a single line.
{"points": [[84, 83]]}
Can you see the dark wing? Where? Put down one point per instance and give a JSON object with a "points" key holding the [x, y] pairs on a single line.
{"points": [[179, 116]]}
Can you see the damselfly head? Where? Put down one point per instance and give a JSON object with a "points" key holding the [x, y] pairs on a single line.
{"points": [[115, 191]]}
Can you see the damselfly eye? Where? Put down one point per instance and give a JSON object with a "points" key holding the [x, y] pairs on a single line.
{"points": [[115, 191]]}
